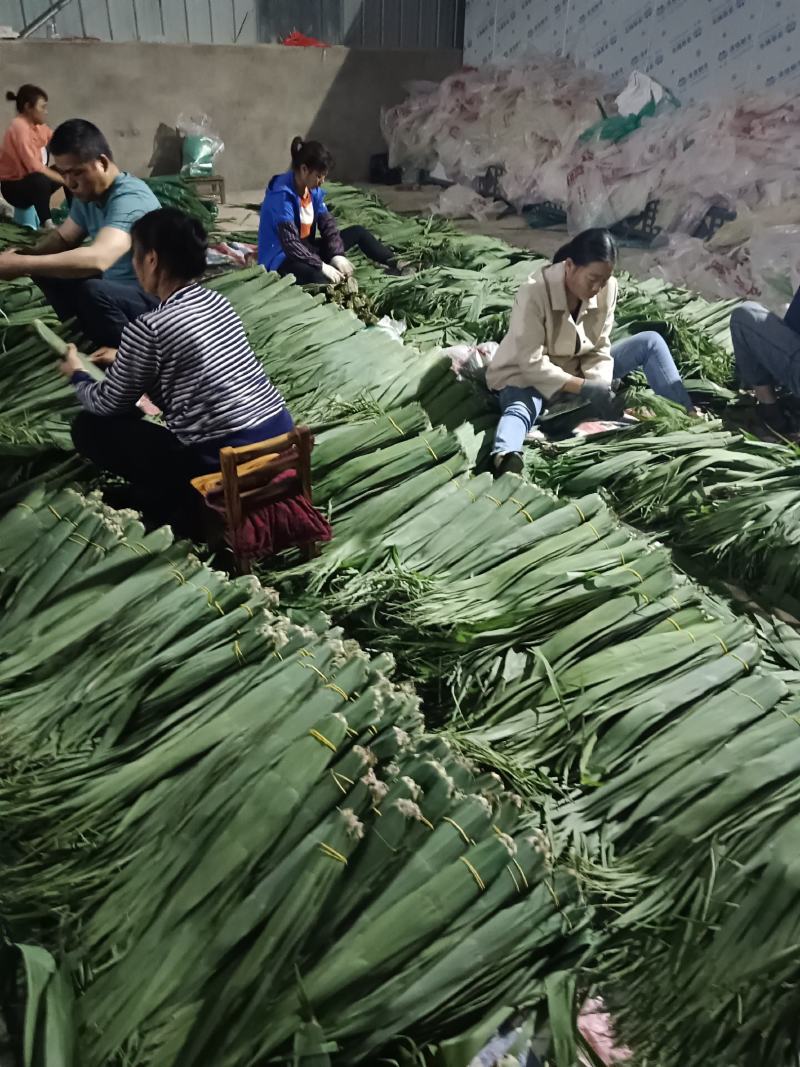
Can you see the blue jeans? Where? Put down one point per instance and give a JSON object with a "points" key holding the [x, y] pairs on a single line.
{"points": [[649, 352], [767, 351]]}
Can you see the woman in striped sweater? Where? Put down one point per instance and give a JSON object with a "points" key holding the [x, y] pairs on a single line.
{"points": [[191, 357]]}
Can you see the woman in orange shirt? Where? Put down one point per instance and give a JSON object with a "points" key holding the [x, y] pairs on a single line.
{"points": [[25, 178]]}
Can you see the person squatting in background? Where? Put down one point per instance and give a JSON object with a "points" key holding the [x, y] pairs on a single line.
{"points": [[26, 179], [559, 342], [297, 233]]}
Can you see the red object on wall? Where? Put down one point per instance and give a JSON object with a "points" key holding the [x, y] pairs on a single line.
{"points": [[299, 40]]}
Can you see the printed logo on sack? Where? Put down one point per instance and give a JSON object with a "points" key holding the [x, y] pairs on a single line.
{"points": [[506, 22], [597, 6], [725, 10], [604, 46], [694, 76], [782, 75], [639, 20], [668, 7]]}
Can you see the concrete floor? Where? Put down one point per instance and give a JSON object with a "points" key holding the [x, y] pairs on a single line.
{"points": [[408, 201]]}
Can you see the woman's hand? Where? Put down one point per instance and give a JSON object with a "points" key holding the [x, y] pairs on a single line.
{"points": [[71, 362], [343, 265], [104, 356], [600, 395], [332, 274]]}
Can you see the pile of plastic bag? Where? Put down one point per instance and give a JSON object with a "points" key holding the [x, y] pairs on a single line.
{"points": [[526, 118], [565, 135]]}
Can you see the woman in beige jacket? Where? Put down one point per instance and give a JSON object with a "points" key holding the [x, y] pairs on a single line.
{"points": [[559, 342]]}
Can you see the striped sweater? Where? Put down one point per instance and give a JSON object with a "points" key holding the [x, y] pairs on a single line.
{"points": [[192, 358]]}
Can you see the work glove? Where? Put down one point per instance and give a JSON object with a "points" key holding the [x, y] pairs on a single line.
{"points": [[332, 274], [343, 265], [601, 396]]}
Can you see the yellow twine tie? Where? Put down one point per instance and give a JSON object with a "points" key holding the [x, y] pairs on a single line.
{"points": [[315, 669], [428, 446], [337, 689], [494, 500], [739, 658], [426, 822], [513, 878], [179, 578], [722, 644], [277, 654], [248, 609], [22, 504], [593, 528], [323, 740], [237, 651], [521, 872], [374, 729], [577, 508], [51, 508], [332, 853], [674, 623], [459, 828], [473, 872], [399, 429], [627, 567], [335, 777]]}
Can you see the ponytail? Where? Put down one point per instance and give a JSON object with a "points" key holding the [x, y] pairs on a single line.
{"points": [[590, 246], [310, 154], [25, 96]]}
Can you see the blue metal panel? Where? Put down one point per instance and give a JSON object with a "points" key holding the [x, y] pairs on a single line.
{"points": [[149, 20], [221, 13], [176, 22], [199, 21], [246, 21], [11, 14], [95, 19], [122, 17]]}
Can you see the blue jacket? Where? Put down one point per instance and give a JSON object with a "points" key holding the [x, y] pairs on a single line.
{"points": [[281, 205]]}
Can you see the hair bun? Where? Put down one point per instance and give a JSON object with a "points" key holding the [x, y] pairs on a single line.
{"points": [[11, 96]]}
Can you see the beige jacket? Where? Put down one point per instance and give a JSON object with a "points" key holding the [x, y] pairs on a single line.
{"points": [[544, 347]]}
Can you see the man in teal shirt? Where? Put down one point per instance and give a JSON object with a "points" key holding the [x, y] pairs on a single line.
{"points": [[94, 283]]}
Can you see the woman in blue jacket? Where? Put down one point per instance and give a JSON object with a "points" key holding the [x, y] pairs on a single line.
{"points": [[298, 235]]}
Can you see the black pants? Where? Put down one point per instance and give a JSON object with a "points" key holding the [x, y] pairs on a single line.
{"points": [[158, 466], [103, 308], [153, 460], [34, 190], [352, 237]]}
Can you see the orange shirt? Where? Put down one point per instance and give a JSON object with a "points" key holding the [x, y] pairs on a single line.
{"points": [[24, 149], [306, 215]]}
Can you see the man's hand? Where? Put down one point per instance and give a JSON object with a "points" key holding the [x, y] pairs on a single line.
{"points": [[71, 362], [343, 265], [11, 266], [332, 274], [104, 356]]}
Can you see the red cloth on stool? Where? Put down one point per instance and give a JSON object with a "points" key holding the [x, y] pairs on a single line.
{"points": [[275, 525]]}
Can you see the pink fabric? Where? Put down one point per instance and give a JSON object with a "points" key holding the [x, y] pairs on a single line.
{"points": [[276, 524], [596, 1027]]}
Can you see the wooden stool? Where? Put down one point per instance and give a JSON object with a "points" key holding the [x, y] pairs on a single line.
{"points": [[208, 186], [246, 478]]}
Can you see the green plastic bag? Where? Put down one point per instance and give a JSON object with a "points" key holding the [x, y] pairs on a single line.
{"points": [[200, 146], [617, 127]]}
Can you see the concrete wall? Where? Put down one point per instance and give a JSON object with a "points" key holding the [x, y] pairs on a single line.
{"points": [[698, 49], [258, 97]]}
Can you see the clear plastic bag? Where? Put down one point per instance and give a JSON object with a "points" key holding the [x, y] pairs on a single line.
{"points": [[201, 145]]}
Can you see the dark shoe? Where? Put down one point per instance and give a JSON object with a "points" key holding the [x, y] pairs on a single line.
{"points": [[510, 463]]}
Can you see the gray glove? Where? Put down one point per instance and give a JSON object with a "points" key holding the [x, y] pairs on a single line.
{"points": [[601, 396]]}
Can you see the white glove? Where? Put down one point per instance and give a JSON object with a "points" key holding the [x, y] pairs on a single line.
{"points": [[332, 274], [343, 265]]}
